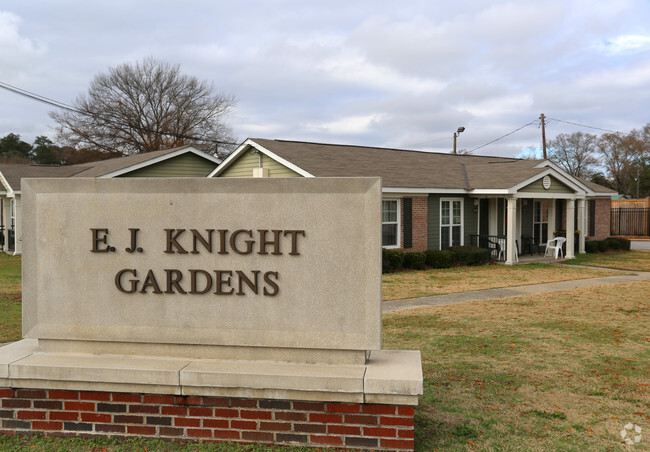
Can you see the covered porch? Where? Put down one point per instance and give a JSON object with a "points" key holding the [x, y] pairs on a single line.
{"points": [[518, 228]]}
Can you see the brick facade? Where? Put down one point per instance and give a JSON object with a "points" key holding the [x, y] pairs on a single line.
{"points": [[207, 419], [419, 222], [603, 214]]}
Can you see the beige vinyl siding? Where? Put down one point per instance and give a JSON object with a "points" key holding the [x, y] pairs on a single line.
{"points": [[244, 165], [538, 187], [186, 165]]}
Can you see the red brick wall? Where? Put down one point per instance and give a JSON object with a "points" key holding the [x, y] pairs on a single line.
{"points": [[419, 219], [207, 419], [602, 226]]}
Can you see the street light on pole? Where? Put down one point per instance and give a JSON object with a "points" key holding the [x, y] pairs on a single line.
{"points": [[458, 132]]}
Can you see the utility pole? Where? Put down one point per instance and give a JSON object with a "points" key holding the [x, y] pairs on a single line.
{"points": [[541, 117]]}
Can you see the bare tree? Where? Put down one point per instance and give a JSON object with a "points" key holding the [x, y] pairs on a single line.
{"points": [[147, 106], [575, 153], [625, 157]]}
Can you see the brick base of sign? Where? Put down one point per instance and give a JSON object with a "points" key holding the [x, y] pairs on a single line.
{"points": [[206, 419]]}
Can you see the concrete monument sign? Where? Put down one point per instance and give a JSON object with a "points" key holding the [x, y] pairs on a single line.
{"points": [[237, 293], [211, 262]]}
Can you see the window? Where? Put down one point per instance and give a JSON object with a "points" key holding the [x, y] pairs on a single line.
{"points": [[390, 223], [451, 223], [540, 221]]}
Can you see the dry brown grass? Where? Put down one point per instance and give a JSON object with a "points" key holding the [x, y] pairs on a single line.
{"points": [[635, 260], [559, 371], [412, 284]]}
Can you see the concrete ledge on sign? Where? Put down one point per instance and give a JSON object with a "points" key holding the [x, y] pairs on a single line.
{"points": [[393, 377], [13, 352], [272, 380], [390, 377], [98, 373]]}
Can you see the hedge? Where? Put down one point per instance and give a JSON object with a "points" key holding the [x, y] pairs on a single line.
{"points": [[610, 243], [439, 258], [414, 261], [469, 255], [393, 260]]}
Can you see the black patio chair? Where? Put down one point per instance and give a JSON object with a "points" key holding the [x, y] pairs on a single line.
{"points": [[530, 244]]}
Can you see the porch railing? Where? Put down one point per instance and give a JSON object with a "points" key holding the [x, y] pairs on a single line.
{"points": [[497, 244], [11, 240]]}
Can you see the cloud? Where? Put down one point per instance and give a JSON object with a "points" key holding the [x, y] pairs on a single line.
{"points": [[627, 44], [350, 125], [18, 53]]}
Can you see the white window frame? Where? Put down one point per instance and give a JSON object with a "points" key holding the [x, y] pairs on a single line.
{"points": [[398, 223], [451, 215]]}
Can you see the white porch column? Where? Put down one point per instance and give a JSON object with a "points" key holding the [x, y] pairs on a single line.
{"points": [[511, 248], [581, 225], [570, 228]]}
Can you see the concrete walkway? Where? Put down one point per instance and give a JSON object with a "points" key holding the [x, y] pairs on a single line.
{"points": [[412, 303]]}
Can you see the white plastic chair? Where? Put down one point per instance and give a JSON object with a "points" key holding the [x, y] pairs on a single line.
{"points": [[557, 246]]}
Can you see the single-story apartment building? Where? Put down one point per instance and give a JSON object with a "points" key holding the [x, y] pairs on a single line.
{"points": [[185, 161], [433, 200]]}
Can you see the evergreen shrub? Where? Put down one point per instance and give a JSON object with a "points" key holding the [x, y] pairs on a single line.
{"points": [[414, 261]]}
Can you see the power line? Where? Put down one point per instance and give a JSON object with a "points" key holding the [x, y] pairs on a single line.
{"points": [[38, 97], [57, 104], [583, 125], [425, 142], [502, 137]]}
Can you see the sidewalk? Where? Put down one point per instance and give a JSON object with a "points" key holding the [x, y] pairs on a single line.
{"points": [[412, 303]]}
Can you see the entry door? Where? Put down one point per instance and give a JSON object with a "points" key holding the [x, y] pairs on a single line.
{"points": [[451, 223], [540, 221]]}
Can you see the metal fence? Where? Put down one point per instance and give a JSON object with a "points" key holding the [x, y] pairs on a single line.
{"points": [[630, 221]]}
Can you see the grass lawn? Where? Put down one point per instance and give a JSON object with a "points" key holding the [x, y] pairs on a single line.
{"points": [[635, 260], [560, 371], [10, 294], [413, 284]]}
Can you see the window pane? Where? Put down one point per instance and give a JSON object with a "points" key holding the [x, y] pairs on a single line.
{"points": [[455, 236], [444, 214], [389, 235], [456, 212], [389, 211], [545, 211], [444, 238]]}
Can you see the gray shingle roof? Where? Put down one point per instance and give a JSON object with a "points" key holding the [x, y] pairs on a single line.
{"points": [[14, 173], [103, 167], [405, 169]]}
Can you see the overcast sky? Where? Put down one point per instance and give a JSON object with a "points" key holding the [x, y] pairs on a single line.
{"points": [[402, 74]]}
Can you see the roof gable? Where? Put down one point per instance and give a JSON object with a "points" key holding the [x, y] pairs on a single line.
{"points": [[122, 165]]}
